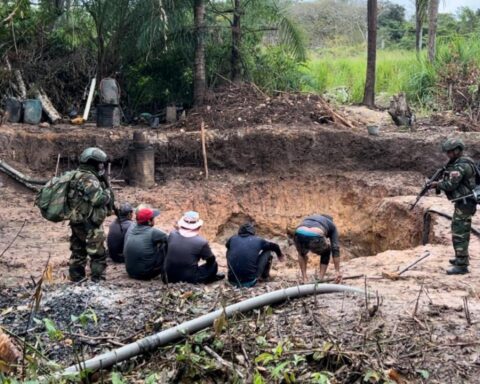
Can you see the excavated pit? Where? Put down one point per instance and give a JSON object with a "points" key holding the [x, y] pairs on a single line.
{"points": [[271, 175]]}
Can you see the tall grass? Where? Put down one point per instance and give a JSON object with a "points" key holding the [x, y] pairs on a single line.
{"points": [[330, 71], [397, 70]]}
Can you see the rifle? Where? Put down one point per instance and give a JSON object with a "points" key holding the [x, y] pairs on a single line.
{"points": [[475, 194], [113, 207], [436, 176]]}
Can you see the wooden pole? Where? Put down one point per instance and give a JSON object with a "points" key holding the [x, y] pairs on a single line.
{"points": [[90, 99], [204, 149], [58, 165]]}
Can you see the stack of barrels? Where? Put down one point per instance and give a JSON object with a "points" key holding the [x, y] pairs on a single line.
{"points": [[108, 111], [29, 111]]}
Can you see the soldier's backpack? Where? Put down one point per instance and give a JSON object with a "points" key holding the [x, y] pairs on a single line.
{"points": [[52, 200]]}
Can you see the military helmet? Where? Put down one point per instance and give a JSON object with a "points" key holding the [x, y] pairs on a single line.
{"points": [[93, 153], [452, 144]]}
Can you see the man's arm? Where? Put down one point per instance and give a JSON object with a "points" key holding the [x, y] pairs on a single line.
{"points": [[273, 247], [335, 244], [94, 193], [207, 254], [334, 241], [158, 236], [455, 178]]}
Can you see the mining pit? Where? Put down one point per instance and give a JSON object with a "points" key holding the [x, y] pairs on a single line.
{"points": [[272, 175]]}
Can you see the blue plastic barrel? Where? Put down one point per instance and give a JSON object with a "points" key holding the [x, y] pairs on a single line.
{"points": [[32, 111]]}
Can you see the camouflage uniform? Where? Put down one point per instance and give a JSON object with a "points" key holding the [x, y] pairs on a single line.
{"points": [[91, 201], [459, 180]]}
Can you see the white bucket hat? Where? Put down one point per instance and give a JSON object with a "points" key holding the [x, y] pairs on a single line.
{"points": [[190, 220]]}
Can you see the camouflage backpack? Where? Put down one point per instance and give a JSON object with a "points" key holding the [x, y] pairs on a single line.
{"points": [[53, 198]]}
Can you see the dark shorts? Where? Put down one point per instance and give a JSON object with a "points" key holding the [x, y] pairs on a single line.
{"points": [[315, 244]]}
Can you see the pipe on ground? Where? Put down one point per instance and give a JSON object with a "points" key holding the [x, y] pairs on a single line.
{"points": [[167, 336], [34, 184]]}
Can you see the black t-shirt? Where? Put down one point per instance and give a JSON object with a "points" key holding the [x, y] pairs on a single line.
{"points": [[116, 238], [243, 254], [183, 256], [141, 249]]}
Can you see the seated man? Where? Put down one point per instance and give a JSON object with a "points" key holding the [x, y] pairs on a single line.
{"points": [[117, 231], [185, 250], [145, 247], [311, 235], [249, 257]]}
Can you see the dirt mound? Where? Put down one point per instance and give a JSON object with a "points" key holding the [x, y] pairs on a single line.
{"points": [[245, 105]]}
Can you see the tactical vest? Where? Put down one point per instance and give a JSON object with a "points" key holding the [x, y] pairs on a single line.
{"points": [[468, 181]]}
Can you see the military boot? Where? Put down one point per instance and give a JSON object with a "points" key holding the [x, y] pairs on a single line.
{"points": [[458, 270], [453, 261], [460, 265]]}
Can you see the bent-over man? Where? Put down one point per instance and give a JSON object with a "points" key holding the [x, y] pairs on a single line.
{"points": [[311, 235]]}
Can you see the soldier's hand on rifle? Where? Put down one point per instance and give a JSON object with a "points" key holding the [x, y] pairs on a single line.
{"points": [[433, 185]]}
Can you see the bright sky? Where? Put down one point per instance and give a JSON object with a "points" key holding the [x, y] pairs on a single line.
{"points": [[446, 6]]}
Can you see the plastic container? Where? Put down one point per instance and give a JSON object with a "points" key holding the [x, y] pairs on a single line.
{"points": [[108, 116], [13, 108], [32, 111], [373, 130], [109, 91]]}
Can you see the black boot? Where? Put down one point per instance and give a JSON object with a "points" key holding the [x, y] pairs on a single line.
{"points": [[458, 270], [453, 261]]}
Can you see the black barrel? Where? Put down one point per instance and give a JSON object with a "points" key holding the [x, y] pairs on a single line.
{"points": [[108, 116], [13, 108], [141, 162]]}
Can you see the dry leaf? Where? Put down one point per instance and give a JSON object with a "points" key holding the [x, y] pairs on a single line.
{"points": [[9, 354], [48, 274], [396, 376], [219, 324], [187, 295]]}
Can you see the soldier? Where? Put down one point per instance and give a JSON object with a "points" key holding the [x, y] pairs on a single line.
{"points": [[91, 200], [458, 181]]}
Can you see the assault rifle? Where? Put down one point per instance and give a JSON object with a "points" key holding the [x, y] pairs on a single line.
{"points": [[436, 176], [113, 206], [475, 194]]}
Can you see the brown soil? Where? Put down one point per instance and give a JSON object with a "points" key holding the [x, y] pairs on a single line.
{"points": [[276, 175]]}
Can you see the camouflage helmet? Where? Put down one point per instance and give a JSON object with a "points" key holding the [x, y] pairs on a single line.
{"points": [[93, 153], [452, 144]]}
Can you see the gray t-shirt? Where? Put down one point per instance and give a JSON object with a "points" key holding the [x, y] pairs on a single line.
{"points": [[324, 222], [141, 249]]}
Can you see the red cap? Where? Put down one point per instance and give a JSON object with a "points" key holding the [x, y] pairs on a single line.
{"points": [[144, 215]]}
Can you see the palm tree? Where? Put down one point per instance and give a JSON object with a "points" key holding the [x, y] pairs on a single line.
{"points": [[369, 95], [421, 7], [432, 28], [199, 76], [258, 17]]}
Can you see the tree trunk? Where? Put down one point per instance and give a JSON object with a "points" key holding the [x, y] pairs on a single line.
{"points": [[432, 28], [236, 43], [199, 81], [369, 95], [418, 25]]}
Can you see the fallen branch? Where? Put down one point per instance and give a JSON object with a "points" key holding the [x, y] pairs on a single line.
{"points": [[47, 106], [222, 361], [15, 238]]}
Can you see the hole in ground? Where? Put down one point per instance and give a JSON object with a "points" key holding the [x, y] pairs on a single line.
{"points": [[369, 220]]}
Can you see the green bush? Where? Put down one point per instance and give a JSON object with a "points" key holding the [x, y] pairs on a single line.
{"points": [[273, 69]]}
